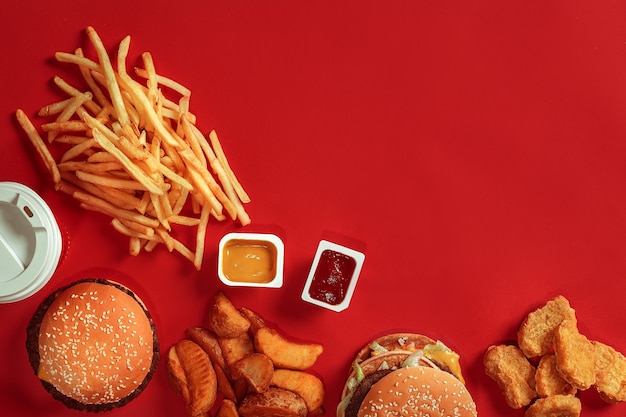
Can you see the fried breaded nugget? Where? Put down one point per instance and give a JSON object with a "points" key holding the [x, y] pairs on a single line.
{"points": [[610, 373], [513, 372], [535, 334], [548, 380], [575, 355], [555, 406]]}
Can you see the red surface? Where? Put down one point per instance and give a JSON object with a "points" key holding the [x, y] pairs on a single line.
{"points": [[475, 151]]}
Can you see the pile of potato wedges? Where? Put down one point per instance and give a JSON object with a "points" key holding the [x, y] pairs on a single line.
{"points": [[236, 366]]}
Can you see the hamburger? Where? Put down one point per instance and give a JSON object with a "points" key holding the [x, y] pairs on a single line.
{"points": [[406, 371], [93, 345]]}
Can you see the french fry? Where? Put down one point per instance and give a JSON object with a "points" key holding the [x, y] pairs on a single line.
{"points": [[110, 77], [54, 108], [97, 204], [137, 173], [201, 237], [130, 151], [109, 181], [221, 156], [69, 111], [39, 145]]}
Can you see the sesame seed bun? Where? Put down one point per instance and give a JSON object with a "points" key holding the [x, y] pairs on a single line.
{"points": [[423, 390], [93, 345], [383, 357]]}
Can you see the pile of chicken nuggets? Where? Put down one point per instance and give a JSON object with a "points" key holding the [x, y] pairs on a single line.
{"points": [[552, 361]]}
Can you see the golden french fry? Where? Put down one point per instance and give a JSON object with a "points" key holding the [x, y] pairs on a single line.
{"points": [[39, 145], [110, 77], [71, 139], [201, 236], [115, 197], [160, 79], [67, 126], [221, 156], [98, 167], [109, 181], [107, 208], [125, 230], [133, 153], [54, 108], [69, 111], [78, 150], [137, 173]]}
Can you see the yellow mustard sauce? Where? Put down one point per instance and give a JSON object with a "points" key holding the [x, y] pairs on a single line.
{"points": [[249, 261]]}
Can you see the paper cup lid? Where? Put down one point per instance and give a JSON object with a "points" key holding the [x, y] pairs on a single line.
{"points": [[30, 242]]}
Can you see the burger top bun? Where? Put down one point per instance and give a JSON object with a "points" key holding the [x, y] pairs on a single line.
{"points": [[95, 343], [424, 391]]}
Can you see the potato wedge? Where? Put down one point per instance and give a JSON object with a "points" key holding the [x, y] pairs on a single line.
{"points": [[227, 408], [208, 341], [256, 369], [256, 322], [200, 374], [273, 402], [236, 348], [175, 373], [224, 385], [225, 319], [285, 353], [307, 385]]}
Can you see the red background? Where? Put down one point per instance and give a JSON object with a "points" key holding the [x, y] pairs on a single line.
{"points": [[474, 151]]}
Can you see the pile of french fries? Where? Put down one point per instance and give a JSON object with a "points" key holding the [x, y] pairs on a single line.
{"points": [[132, 153], [238, 366]]}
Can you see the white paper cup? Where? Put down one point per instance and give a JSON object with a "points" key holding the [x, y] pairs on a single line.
{"points": [[31, 243]]}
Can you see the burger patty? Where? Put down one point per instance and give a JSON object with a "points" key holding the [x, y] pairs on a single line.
{"points": [[361, 391]]}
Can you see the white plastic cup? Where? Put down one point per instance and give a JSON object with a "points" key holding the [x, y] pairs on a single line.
{"points": [[31, 243]]}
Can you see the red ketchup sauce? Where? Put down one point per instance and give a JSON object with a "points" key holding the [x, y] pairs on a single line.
{"points": [[332, 277]]}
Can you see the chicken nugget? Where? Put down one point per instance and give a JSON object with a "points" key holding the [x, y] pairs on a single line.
{"points": [[535, 335], [610, 373], [555, 406], [548, 380], [575, 355], [507, 365]]}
